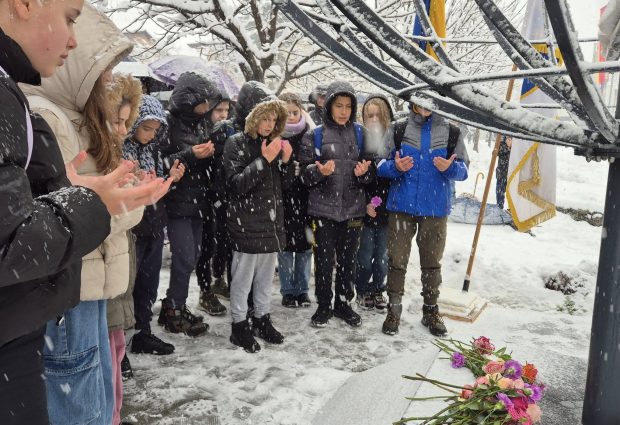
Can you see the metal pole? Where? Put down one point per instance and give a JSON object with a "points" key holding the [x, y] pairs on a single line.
{"points": [[487, 188], [601, 405]]}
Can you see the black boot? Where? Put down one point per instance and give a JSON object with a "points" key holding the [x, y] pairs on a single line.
{"points": [[392, 321], [303, 300], [126, 370], [432, 320], [209, 303], [147, 343], [220, 288], [181, 320], [289, 301], [345, 312], [242, 336], [263, 328], [161, 320], [321, 316]]}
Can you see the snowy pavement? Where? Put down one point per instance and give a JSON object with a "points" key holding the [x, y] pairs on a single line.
{"points": [[209, 381]]}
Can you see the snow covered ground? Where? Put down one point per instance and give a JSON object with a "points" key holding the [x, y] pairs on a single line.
{"points": [[209, 381]]}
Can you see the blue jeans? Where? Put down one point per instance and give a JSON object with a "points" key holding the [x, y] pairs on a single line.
{"points": [[372, 260], [78, 367], [294, 270]]}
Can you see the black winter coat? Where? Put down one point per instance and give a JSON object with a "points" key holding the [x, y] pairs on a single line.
{"points": [[47, 225], [251, 94], [190, 196], [255, 212], [340, 196], [296, 219]]}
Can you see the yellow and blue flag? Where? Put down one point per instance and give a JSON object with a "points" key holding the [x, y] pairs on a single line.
{"points": [[531, 188], [436, 10]]}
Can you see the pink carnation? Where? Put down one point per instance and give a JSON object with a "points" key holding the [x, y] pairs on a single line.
{"points": [[483, 345], [534, 413], [493, 367]]}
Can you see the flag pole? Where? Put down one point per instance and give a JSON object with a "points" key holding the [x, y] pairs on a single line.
{"points": [[485, 196]]}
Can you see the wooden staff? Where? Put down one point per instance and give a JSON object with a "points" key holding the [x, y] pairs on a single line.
{"points": [[487, 187]]}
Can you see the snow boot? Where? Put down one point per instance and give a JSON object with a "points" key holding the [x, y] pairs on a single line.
{"points": [[392, 321], [321, 316], [345, 312], [181, 320], [126, 370], [161, 320], [242, 336], [209, 303], [433, 321], [289, 301], [365, 301], [220, 288], [380, 301], [263, 328], [303, 300], [144, 342]]}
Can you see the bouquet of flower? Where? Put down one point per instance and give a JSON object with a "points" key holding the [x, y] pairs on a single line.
{"points": [[505, 392]]}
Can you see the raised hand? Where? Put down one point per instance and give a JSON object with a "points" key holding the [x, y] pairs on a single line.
{"points": [[361, 168], [287, 151], [116, 199], [403, 164], [271, 151], [204, 150], [442, 164], [327, 169], [177, 170]]}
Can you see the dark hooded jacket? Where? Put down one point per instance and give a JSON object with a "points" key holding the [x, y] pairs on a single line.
{"points": [[379, 187], [47, 225], [251, 94], [255, 218], [189, 197], [340, 196]]}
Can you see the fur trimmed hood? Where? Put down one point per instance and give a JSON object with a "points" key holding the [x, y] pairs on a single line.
{"points": [[276, 106], [125, 87]]}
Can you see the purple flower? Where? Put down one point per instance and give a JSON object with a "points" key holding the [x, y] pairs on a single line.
{"points": [[458, 360], [505, 400], [513, 369], [533, 393], [376, 201]]}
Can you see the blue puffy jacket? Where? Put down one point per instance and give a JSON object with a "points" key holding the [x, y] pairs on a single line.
{"points": [[423, 190]]}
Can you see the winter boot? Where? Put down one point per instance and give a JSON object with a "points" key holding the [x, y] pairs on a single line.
{"points": [[263, 328], [392, 321], [181, 320], [209, 303], [432, 320], [220, 288], [289, 301], [345, 312], [126, 370], [303, 300], [161, 320], [365, 301], [242, 336], [144, 342], [380, 301], [321, 316]]}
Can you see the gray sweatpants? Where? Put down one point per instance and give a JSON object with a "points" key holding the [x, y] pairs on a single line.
{"points": [[251, 271]]}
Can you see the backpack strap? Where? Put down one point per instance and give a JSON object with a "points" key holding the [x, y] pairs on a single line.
{"points": [[453, 139], [399, 132], [317, 134], [359, 137]]}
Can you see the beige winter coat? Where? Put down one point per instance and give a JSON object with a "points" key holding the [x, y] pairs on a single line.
{"points": [[105, 271]]}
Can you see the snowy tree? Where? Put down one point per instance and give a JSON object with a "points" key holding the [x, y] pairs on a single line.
{"points": [[249, 33]]}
